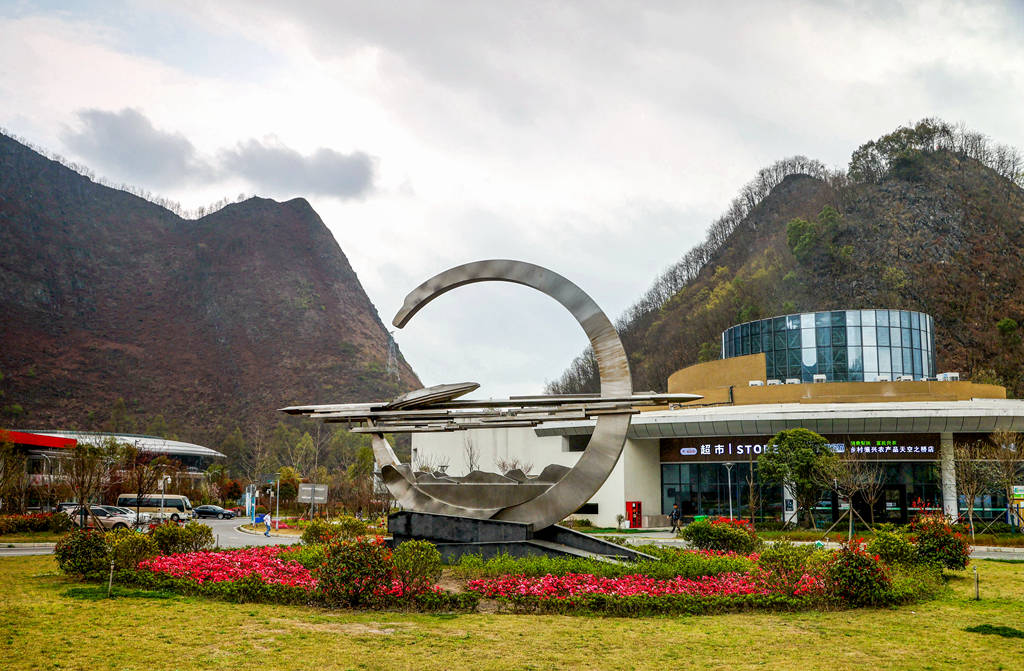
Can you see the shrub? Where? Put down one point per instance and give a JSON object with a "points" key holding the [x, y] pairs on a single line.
{"points": [[857, 578], [310, 556], [893, 548], [353, 570], [938, 543], [723, 535], [171, 538], [783, 564], [417, 566], [323, 532], [59, 523], [82, 552], [196, 537], [14, 524], [127, 548]]}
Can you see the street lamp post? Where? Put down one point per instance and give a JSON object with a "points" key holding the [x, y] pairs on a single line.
{"points": [[728, 474]]}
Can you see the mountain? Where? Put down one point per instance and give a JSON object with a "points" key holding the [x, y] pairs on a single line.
{"points": [[210, 323], [929, 217]]}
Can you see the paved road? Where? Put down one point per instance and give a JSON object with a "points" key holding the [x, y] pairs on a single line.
{"points": [[227, 535]]}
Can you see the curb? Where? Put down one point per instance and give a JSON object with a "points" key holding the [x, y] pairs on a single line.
{"points": [[273, 534], [16, 546]]}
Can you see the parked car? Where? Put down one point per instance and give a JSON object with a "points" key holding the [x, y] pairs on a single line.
{"points": [[107, 520], [214, 511], [66, 505], [143, 518]]}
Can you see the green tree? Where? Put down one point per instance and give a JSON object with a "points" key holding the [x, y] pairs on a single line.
{"points": [[796, 459], [120, 420]]}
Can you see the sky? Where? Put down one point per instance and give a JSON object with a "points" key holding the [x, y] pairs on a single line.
{"points": [[598, 139]]}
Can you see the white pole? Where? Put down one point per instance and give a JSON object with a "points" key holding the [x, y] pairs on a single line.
{"points": [[277, 512], [728, 475]]}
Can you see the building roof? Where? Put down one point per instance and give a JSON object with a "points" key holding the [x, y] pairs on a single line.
{"points": [[145, 443], [36, 439], [973, 416]]}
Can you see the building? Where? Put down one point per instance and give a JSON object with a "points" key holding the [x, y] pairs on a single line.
{"points": [[45, 450], [864, 379]]}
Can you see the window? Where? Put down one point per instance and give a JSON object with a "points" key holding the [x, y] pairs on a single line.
{"points": [[587, 509], [576, 443]]}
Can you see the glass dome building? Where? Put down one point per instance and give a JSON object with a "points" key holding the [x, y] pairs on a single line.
{"points": [[842, 345]]}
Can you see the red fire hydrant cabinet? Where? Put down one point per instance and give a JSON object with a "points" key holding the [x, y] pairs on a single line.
{"points": [[634, 513]]}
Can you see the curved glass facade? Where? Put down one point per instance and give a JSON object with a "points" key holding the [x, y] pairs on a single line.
{"points": [[843, 345]]}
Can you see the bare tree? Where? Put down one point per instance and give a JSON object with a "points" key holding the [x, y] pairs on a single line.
{"points": [[973, 476], [255, 457], [430, 462], [513, 463], [87, 470], [12, 476], [872, 486], [1006, 462], [471, 453], [142, 472], [852, 475]]}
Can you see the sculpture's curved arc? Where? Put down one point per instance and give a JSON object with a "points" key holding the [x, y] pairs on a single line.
{"points": [[605, 447], [611, 358]]}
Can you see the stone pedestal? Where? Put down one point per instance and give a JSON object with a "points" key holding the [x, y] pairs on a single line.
{"points": [[456, 536]]}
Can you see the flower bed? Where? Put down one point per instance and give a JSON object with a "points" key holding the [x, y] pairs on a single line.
{"points": [[204, 567], [572, 584]]}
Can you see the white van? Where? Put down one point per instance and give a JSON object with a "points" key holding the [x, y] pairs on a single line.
{"points": [[174, 507]]}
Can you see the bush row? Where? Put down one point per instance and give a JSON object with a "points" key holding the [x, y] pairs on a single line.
{"points": [[55, 522], [89, 552]]}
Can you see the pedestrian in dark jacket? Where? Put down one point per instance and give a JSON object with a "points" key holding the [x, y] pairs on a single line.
{"points": [[676, 515]]}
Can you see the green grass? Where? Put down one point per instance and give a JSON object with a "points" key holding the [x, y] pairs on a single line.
{"points": [[50, 622], [1001, 540], [31, 537]]}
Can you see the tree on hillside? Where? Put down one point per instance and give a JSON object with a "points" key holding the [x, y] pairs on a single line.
{"points": [[120, 420], [796, 458]]}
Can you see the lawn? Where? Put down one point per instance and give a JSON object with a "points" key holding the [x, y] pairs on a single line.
{"points": [[48, 622], [31, 537]]}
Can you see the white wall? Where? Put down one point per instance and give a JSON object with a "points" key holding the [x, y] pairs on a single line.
{"points": [[638, 469], [642, 459]]}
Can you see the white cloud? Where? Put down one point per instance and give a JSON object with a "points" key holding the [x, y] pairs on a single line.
{"points": [[599, 139]]}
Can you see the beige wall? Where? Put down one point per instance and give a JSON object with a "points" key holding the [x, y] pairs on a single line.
{"points": [[713, 380]]}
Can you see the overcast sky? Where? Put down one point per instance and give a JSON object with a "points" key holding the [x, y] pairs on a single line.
{"points": [[596, 138]]}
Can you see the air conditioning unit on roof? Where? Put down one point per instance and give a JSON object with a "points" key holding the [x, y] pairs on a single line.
{"points": [[755, 383], [905, 378], [792, 380], [884, 378], [820, 377], [948, 377], [774, 383]]}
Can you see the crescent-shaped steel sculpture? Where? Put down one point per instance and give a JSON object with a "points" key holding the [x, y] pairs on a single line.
{"points": [[513, 497]]}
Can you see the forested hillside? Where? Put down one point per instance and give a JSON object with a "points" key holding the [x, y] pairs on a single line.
{"points": [[117, 314], [929, 217]]}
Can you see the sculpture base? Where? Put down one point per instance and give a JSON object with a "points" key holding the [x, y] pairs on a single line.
{"points": [[456, 536]]}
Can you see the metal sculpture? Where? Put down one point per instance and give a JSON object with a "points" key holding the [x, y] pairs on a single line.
{"points": [[514, 496]]}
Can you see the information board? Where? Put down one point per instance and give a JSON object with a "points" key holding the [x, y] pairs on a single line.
{"points": [[311, 493]]}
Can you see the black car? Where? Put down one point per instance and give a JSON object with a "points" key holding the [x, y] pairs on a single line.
{"points": [[214, 511]]}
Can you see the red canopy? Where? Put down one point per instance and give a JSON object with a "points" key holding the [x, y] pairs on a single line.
{"points": [[35, 439]]}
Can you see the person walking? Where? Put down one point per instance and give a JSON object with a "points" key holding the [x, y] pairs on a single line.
{"points": [[676, 515], [266, 520]]}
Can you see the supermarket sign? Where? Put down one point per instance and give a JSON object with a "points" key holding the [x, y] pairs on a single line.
{"points": [[897, 447]]}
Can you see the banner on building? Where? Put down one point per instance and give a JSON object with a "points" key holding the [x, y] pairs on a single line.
{"points": [[894, 447]]}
